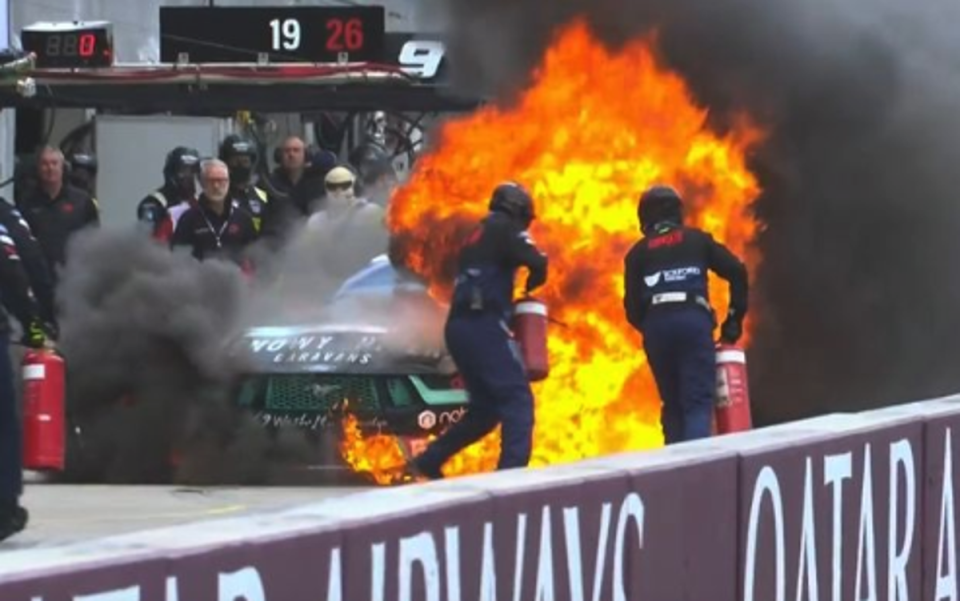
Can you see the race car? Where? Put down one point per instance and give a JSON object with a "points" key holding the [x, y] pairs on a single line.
{"points": [[373, 350], [377, 352]]}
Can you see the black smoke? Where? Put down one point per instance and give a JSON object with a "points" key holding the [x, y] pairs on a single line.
{"points": [[858, 299], [150, 339]]}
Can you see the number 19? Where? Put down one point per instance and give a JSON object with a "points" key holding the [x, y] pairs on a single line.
{"points": [[285, 34]]}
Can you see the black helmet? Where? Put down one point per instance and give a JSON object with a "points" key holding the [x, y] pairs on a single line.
{"points": [[178, 158], [236, 145], [512, 199], [660, 205]]}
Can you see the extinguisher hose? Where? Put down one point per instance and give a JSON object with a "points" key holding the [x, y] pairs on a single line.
{"points": [[562, 324]]}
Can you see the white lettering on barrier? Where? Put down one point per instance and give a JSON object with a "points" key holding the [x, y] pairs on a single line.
{"points": [[419, 549], [571, 537], [836, 469], [901, 455], [378, 575], [766, 484], [545, 565], [632, 507], [335, 581], [808, 542], [488, 571], [947, 532], [518, 561], [571, 530], [173, 591], [866, 538], [451, 542], [243, 585]]}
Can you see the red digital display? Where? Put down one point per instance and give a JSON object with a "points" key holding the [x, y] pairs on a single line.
{"points": [[281, 34], [88, 44], [344, 36], [61, 47]]}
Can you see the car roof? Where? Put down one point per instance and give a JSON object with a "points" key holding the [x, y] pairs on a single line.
{"points": [[379, 277]]}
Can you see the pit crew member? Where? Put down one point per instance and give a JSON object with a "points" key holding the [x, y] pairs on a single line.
{"points": [[34, 263], [666, 300], [241, 157], [18, 300], [161, 209], [479, 340]]}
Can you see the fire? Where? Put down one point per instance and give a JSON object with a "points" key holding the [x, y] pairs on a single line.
{"points": [[594, 129]]}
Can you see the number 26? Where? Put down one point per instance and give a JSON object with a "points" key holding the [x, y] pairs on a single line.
{"points": [[421, 58]]}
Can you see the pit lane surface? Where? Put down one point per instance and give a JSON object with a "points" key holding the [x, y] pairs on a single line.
{"points": [[64, 514]]}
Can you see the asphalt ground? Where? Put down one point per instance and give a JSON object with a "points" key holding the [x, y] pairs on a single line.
{"points": [[65, 514]]}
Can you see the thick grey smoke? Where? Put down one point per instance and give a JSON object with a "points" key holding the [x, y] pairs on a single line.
{"points": [[150, 341], [858, 300]]}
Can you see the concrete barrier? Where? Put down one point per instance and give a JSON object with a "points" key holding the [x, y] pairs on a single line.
{"points": [[844, 506]]}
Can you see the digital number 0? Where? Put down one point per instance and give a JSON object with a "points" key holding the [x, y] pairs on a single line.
{"points": [[285, 34], [88, 43]]}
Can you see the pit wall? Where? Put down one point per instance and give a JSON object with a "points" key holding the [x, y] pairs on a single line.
{"points": [[846, 506]]}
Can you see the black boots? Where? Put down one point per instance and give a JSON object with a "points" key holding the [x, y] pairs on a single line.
{"points": [[13, 519]]}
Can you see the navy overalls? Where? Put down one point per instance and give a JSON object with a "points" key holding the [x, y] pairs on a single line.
{"points": [[478, 338], [666, 300]]}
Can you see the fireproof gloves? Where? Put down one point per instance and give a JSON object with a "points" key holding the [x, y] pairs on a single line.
{"points": [[732, 328], [34, 335]]}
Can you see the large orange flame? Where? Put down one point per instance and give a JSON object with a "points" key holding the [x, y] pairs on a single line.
{"points": [[593, 130]]}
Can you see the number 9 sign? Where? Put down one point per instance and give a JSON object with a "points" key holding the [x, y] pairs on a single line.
{"points": [[421, 58]]}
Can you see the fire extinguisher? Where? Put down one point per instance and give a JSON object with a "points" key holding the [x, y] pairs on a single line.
{"points": [[44, 420], [733, 392], [530, 329]]}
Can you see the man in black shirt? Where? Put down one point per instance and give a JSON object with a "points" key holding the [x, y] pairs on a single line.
{"points": [[297, 188], [478, 339], [215, 228], [241, 156], [667, 301], [56, 210], [16, 299]]}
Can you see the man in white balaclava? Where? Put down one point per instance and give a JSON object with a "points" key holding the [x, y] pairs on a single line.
{"points": [[349, 231]]}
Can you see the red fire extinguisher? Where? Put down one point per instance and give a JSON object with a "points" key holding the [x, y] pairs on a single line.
{"points": [[733, 391], [530, 329], [44, 422]]}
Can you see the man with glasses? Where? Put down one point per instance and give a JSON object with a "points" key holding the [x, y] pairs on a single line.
{"points": [[215, 228]]}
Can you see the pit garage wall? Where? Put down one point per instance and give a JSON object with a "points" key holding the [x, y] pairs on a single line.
{"points": [[839, 507]]}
